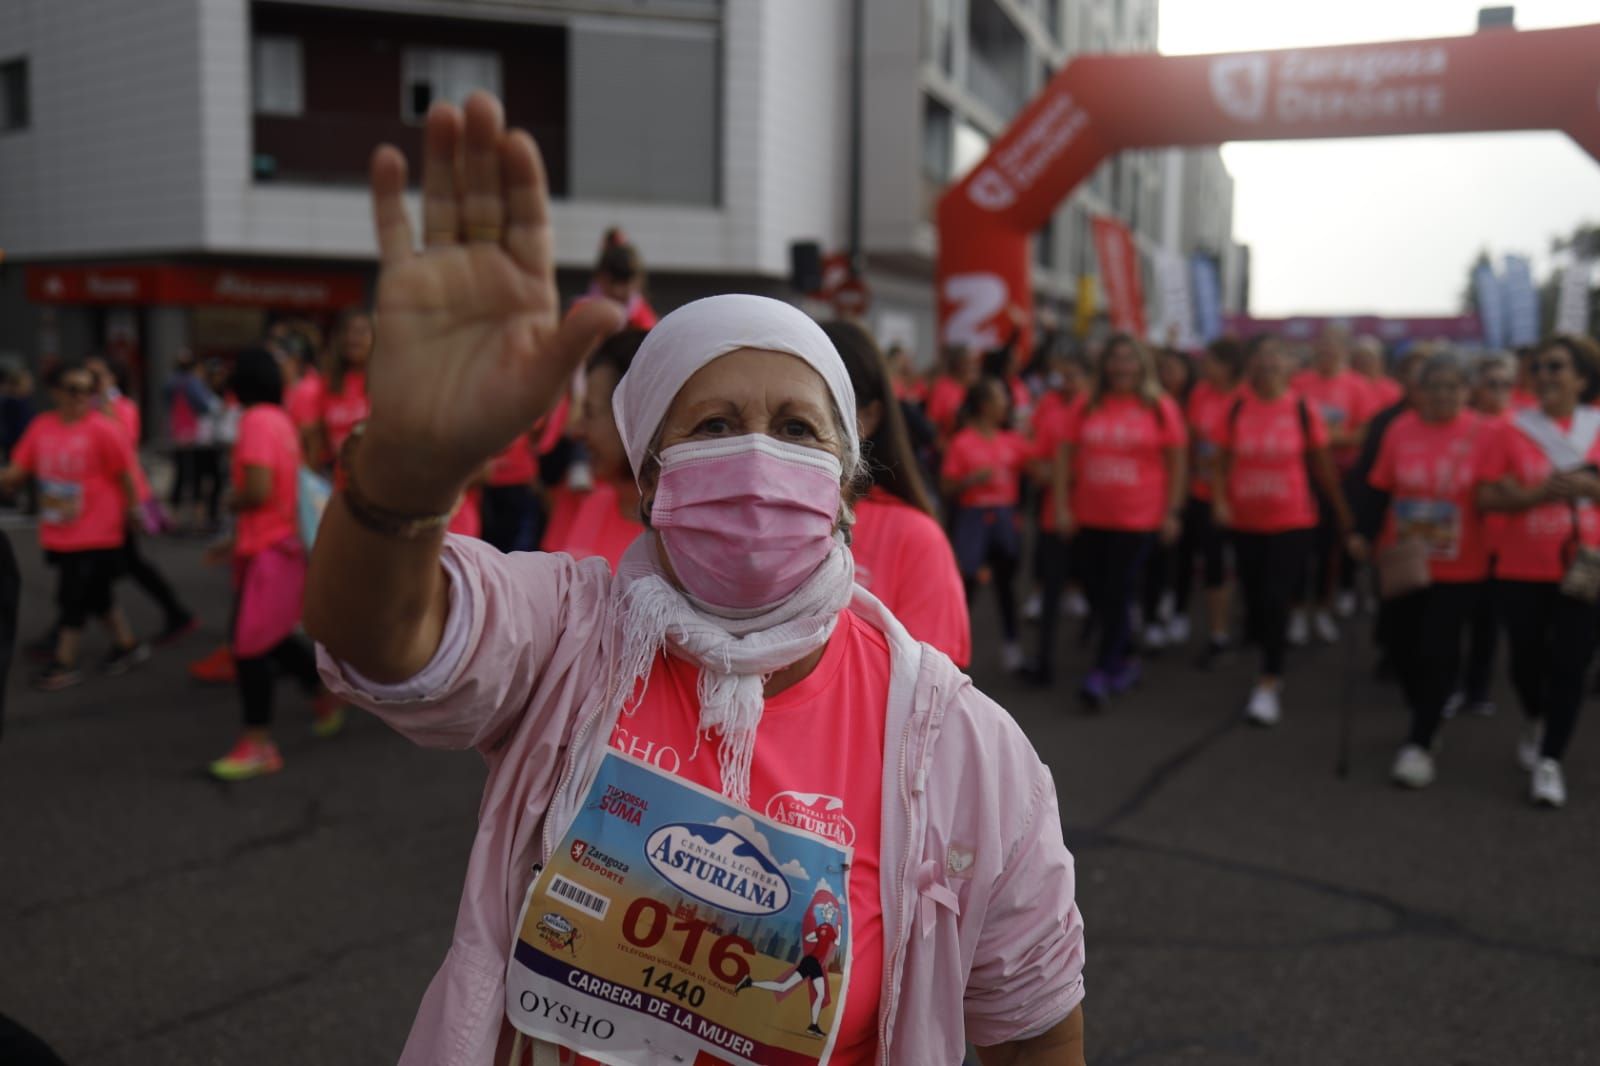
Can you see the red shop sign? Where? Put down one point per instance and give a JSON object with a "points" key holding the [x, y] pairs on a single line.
{"points": [[194, 287]]}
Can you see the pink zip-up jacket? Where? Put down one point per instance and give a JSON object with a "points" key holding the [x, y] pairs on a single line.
{"points": [[983, 940]]}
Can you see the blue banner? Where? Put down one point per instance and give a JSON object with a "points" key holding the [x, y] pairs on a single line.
{"points": [[1491, 294], [1207, 296], [1522, 302]]}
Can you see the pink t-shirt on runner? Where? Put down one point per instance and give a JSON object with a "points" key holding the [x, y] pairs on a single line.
{"points": [[1343, 401], [1208, 405], [818, 765], [1120, 450], [944, 404], [79, 467], [303, 400], [124, 414], [342, 411], [468, 518], [1050, 424], [516, 465], [1430, 471], [1534, 544], [1004, 454], [1382, 394], [903, 558], [588, 524], [1268, 488], [267, 438]]}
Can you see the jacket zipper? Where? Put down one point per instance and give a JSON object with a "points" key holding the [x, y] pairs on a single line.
{"points": [[573, 750], [890, 992]]}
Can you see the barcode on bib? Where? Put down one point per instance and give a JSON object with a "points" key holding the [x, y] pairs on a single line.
{"points": [[580, 897]]}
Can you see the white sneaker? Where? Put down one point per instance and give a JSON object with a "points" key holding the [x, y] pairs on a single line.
{"points": [[1453, 705], [1263, 708], [1011, 657], [1155, 637], [1345, 605], [1529, 743], [1178, 629], [1299, 630], [1548, 788], [1034, 607], [1413, 767], [1075, 605], [1327, 629]]}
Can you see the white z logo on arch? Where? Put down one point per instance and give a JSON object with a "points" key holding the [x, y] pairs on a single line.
{"points": [[978, 298]]}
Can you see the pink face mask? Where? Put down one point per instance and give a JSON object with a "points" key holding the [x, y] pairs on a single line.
{"points": [[745, 520]]}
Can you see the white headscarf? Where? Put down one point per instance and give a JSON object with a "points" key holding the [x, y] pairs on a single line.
{"points": [[736, 651]]}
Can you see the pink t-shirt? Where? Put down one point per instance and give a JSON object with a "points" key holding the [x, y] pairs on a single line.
{"points": [[267, 438], [1534, 544], [1120, 450], [818, 765], [944, 404], [1208, 405], [1343, 401], [587, 524], [468, 519], [515, 465], [1430, 471], [1050, 424], [79, 467], [344, 410], [303, 400], [903, 558], [1268, 488], [1382, 394], [1004, 454], [124, 414]]}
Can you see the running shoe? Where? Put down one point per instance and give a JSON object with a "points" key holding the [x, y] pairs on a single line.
{"points": [[1126, 676], [55, 677], [120, 660], [1033, 608], [1299, 629], [1178, 630], [216, 668], [1264, 708], [814, 1031], [1155, 636], [1413, 767], [1095, 692], [249, 758], [327, 715], [1011, 657], [1327, 629], [175, 630], [1529, 743], [1214, 651], [1345, 606], [1548, 788], [1453, 705], [1075, 605]]}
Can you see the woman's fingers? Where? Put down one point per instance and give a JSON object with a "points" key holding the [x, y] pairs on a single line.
{"points": [[482, 207], [393, 226], [527, 202], [441, 184], [581, 332]]}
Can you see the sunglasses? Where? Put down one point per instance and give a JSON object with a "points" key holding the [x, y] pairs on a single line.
{"points": [[1551, 366]]}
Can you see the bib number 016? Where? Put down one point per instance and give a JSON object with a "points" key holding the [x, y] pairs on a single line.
{"points": [[648, 920]]}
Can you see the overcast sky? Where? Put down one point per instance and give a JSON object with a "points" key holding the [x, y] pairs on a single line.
{"points": [[1393, 222]]}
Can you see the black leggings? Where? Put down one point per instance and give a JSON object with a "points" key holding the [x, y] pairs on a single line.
{"points": [[185, 485], [1272, 569], [209, 481], [1425, 642], [1201, 538], [144, 574], [1003, 576], [293, 656], [1552, 640], [1483, 641], [1110, 561], [1157, 579]]}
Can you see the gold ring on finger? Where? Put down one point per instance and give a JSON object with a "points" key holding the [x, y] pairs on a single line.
{"points": [[484, 233], [441, 236]]}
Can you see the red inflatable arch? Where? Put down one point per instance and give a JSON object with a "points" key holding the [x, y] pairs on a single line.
{"points": [[1100, 105]]}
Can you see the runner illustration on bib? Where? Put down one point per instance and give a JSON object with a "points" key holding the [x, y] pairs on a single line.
{"points": [[662, 902]]}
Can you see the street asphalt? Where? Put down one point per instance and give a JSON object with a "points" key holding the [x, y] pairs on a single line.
{"points": [[1244, 905]]}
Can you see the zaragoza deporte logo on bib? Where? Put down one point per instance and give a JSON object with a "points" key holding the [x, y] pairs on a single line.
{"points": [[718, 865]]}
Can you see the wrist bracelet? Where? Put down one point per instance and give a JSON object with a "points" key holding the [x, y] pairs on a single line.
{"points": [[381, 520]]}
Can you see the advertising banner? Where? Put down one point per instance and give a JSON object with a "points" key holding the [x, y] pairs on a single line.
{"points": [[1119, 274]]}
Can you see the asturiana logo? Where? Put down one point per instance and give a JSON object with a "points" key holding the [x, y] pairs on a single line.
{"points": [[719, 865]]}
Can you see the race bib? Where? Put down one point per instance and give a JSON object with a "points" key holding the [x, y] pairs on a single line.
{"points": [[1437, 523], [60, 502], [674, 926]]}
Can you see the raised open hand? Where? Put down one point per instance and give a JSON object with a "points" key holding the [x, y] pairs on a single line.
{"points": [[471, 347]]}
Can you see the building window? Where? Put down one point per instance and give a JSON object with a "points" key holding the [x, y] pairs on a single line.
{"points": [[997, 69], [937, 137], [1052, 19], [938, 42], [14, 94], [429, 74], [277, 77]]}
